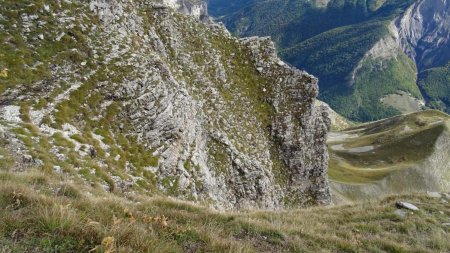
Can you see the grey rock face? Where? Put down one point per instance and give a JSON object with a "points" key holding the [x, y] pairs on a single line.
{"points": [[195, 8], [424, 32], [172, 116], [229, 123], [436, 195], [407, 205], [198, 9], [298, 125]]}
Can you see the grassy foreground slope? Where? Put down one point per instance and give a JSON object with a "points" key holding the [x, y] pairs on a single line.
{"points": [[400, 154], [44, 213]]}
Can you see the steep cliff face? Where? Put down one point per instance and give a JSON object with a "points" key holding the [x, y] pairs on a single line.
{"points": [[417, 40], [131, 96], [424, 35], [297, 123], [424, 32], [196, 8]]}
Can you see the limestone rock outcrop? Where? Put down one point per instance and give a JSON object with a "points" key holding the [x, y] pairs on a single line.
{"points": [[141, 97], [424, 32]]}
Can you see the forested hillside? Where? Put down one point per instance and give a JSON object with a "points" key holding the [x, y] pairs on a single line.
{"points": [[333, 41], [435, 85]]}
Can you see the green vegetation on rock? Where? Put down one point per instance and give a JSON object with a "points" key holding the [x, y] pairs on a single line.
{"points": [[137, 97]]}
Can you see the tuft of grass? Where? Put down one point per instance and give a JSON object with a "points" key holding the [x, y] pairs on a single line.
{"points": [[69, 191], [6, 160]]}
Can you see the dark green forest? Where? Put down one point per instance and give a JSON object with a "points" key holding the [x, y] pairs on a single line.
{"points": [[435, 85]]}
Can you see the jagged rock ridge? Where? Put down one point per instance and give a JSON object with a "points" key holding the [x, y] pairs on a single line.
{"points": [[136, 97]]}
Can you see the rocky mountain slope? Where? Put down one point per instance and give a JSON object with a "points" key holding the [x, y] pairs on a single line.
{"points": [[133, 97], [404, 154], [338, 123], [373, 58]]}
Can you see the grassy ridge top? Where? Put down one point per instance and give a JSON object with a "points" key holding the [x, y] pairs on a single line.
{"points": [[372, 151], [40, 213]]}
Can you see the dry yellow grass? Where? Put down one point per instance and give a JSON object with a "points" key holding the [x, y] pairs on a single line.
{"points": [[4, 73], [36, 217]]}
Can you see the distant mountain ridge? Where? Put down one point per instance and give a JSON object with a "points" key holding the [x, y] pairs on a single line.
{"points": [[374, 59]]}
